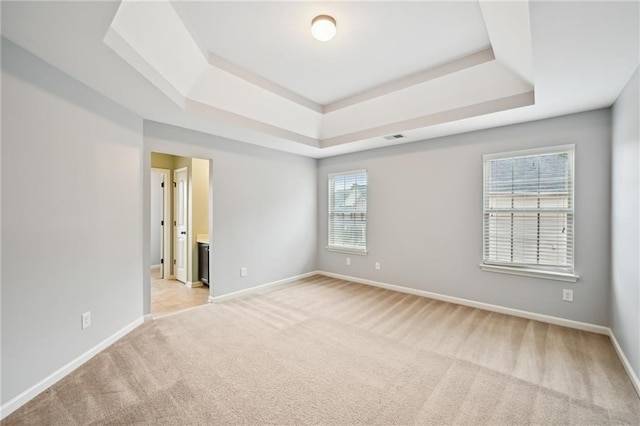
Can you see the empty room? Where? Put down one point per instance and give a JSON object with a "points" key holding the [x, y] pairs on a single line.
{"points": [[315, 212]]}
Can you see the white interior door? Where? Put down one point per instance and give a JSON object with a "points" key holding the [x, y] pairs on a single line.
{"points": [[180, 177]]}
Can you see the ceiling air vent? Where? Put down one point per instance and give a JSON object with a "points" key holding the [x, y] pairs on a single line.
{"points": [[394, 137]]}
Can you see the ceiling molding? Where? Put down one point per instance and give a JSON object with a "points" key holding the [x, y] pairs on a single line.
{"points": [[419, 77], [240, 120], [238, 71], [482, 108], [269, 85]]}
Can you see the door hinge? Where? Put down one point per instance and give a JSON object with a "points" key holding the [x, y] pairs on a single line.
{"points": [[174, 184], [162, 261], [174, 223], [161, 184], [162, 223], [174, 261]]}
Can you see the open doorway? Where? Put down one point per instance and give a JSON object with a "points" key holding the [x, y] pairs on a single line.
{"points": [[179, 218]]}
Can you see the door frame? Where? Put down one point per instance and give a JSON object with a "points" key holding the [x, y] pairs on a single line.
{"points": [[187, 214], [168, 145], [166, 228]]}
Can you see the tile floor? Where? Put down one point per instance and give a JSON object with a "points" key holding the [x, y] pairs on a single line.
{"points": [[169, 296]]}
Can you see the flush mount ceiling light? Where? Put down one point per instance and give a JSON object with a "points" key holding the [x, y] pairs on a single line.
{"points": [[323, 27]]}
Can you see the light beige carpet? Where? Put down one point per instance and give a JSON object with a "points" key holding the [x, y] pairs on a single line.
{"points": [[325, 351]]}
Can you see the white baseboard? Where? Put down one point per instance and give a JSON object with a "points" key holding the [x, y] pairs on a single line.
{"points": [[625, 362], [154, 267], [261, 287], [194, 284], [50, 380], [480, 305], [148, 317]]}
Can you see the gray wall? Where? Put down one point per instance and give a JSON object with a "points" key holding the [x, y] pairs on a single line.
{"points": [[425, 217], [625, 222], [71, 219], [264, 207]]}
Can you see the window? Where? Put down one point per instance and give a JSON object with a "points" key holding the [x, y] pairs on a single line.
{"points": [[528, 212], [348, 211]]}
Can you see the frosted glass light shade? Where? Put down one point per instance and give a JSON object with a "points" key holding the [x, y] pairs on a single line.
{"points": [[323, 27]]}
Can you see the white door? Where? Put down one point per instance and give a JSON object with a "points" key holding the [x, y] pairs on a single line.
{"points": [[180, 178]]}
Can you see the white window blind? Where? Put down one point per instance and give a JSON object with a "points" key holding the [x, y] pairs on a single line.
{"points": [[348, 211], [528, 209]]}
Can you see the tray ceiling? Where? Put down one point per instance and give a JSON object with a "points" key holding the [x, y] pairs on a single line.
{"points": [[275, 78], [251, 72]]}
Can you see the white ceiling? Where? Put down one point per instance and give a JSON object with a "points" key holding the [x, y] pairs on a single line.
{"points": [[375, 42], [574, 56]]}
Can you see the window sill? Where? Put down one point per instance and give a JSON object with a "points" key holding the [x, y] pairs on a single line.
{"points": [[535, 273], [346, 250]]}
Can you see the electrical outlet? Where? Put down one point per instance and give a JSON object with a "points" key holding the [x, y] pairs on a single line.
{"points": [[567, 295], [243, 271], [348, 261], [377, 266], [86, 320]]}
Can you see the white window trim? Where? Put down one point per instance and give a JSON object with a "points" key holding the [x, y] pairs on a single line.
{"points": [[350, 172], [344, 249], [529, 271], [532, 151], [348, 251]]}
